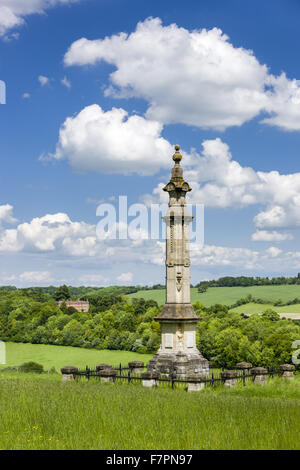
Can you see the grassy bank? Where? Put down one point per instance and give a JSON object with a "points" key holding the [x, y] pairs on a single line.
{"points": [[229, 295], [287, 311], [39, 413], [59, 356]]}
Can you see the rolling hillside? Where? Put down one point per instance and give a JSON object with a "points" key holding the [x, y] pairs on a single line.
{"points": [[228, 295]]}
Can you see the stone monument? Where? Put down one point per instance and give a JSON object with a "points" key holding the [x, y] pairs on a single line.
{"points": [[178, 353]]}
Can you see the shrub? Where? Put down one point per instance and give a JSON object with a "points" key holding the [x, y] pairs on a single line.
{"points": [[31, 367]]}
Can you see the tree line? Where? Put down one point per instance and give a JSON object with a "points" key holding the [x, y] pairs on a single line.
{"points": [[245, 281], [111, 323]]}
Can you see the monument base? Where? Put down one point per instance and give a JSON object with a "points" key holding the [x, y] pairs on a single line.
{"points": [[181, 364]]}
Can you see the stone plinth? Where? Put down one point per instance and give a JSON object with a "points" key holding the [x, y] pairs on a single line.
{"points": [[244, 366], [178, 353], [287, 371], [181, 364], [197, 382], [107, 375], [68, 373], [259, 375], [136, 367], [103, 367], [229, 378], [149, 379]]}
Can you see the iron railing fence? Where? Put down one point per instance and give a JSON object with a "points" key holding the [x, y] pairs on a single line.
{"points": [[214, 380]]}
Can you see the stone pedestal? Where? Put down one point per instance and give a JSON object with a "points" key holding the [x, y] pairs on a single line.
{"points": [[178, 353], [180, 363], [107, 375], [259, 375], [68, 373], [149, 379], [229, 378], [197, 383], [136, 367], [244, 366], [103, 367], [287, 371]]}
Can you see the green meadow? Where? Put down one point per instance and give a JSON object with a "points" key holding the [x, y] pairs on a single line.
{"points": [[229, 295], [59, 356], [287, 311], [41, 412]]}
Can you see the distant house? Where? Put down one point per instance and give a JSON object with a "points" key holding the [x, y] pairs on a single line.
{"points": [[81, 306]]}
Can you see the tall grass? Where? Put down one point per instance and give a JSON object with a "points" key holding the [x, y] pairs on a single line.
{"points": [[44, 413]]}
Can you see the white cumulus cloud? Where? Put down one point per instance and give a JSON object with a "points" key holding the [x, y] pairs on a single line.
{"points": [[6, 214], [36, 277], [13, 12], [93, 279], [125, 277], [273, 251], [266, 236], [45, 233], [56, 239], [112, 142], [220, 181], [193, 77], [43, 80], [66, 82]]}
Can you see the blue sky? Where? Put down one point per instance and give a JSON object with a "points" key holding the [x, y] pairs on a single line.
{"points": [[172, 77]]}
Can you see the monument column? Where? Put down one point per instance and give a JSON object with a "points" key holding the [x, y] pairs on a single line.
{"points": [[178, 353]]}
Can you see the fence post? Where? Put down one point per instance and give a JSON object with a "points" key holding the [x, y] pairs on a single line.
{"points": [[287, 371], [120, 368], [103, 367], [149, 379], [245, 367], [259, 375], [107, 375], [212, 380], [197, 383], [136, 367], [173, 379], [129, 378], [229, 377], [68, 373]]}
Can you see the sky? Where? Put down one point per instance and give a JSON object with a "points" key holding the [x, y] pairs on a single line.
{"points": [[98, 92]]}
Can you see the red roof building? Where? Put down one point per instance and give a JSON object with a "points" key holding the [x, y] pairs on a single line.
{"points": [[81, 306]]}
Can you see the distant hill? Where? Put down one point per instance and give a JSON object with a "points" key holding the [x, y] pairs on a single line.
{"points": [[230, 295]]}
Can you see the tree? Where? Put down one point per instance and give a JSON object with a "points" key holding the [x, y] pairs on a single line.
{"points": [[271, 315], [62, 293], [73, 333]]}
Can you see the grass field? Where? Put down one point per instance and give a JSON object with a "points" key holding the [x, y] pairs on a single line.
{"points": [[59, 356], [229, 295], [41, 412], [288, 311]]}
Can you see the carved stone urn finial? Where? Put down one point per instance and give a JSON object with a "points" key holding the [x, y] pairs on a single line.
{"points": [[177, 155]]}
